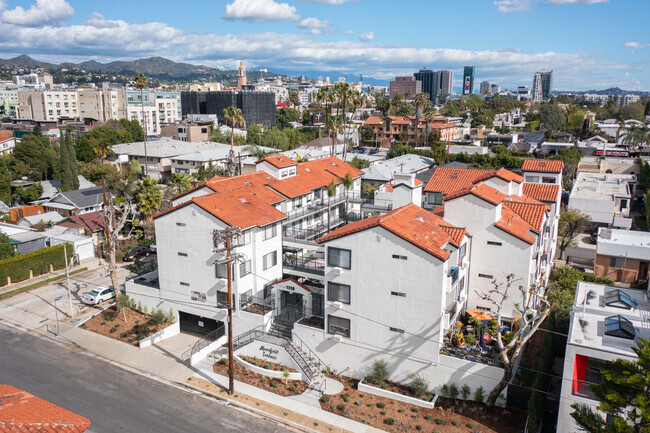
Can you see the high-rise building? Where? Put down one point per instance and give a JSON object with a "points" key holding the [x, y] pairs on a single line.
{"points": [[437, 84], [407, 87], [446, 83], [542, 85], [257, 107], [241, 76], [468, 80], [486, 87]]}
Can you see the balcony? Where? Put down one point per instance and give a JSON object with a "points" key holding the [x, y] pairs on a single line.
{"points": [[311, 264], [368, 202], [311, 233], [313, 207], [453, 274], [583, 389]]}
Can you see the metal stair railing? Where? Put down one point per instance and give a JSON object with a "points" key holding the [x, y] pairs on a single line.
{"points": [[206, 340]]}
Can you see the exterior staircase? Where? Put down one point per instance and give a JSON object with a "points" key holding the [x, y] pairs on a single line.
{"points": [[281, 328]]}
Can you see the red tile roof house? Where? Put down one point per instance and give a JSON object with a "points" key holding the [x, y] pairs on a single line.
{"points": [[21, 411], [280, 209]]}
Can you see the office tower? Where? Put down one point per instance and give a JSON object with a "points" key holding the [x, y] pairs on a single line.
{"points": [[542, 85], [437, 84], [257, 107], [468, 80], [446, 83], [407, 87], [486, 87]]}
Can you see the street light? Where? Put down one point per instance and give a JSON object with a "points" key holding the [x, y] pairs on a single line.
{"points": [[56, 312]]}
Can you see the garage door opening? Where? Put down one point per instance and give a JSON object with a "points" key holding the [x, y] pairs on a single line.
{"points": [[201, 326]]}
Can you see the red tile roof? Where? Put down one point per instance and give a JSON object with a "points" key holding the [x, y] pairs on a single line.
{"points": [[447, 180], [413, 224], [92, 221], [21, 411], [247, 200], [512, 223], [278, 161], [373, 120], [532, 213], [480, 190], [543, 165], [19, 213], [542, 191]]}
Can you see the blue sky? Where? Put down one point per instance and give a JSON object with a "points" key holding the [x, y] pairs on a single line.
{"points": [[590, 44]]}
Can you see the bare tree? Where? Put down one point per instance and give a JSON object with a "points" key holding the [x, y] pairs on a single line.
{"points": [[531, 311]]}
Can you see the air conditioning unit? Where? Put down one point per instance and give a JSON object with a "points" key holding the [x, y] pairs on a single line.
{"points": [[338, 305], [335, 272]]}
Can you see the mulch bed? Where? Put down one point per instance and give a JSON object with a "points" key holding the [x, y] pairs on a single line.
{"points": [[449, 416], [398, 388], [277, 386], [110, 324], [259, 362], [257, 308]]}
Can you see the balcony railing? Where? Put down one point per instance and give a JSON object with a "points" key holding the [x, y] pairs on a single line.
{"points": [[367, 202], [583, 389], [453, 273], [312, 232], [315, 206], [312, 265]]}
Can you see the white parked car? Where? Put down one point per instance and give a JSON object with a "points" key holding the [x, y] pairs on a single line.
{"points": [[98, 295]]}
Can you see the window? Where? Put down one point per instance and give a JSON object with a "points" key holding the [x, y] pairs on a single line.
{"points": [[548, 180], [616, 262], [619, 299], [244, 268], [270, 231], [182, 254], [338, 292], [184, 283], [532, 179], [338, 325], [221, 270], [498, 244], [181, 224], [462, 252], [619, 326], [222, 299], [435, 198], [399, 331], [338, 257], [486, 276], [270, 260], [401, 294], [245, 238], [398, 257]]}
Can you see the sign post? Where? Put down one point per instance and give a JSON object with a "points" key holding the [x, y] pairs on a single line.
{"points": [[56, 311]]}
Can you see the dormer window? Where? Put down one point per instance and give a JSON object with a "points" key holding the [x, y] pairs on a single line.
{"points": [[619, 326], [619, 299]]}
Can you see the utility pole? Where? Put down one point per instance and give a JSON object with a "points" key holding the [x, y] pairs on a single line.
{"points": [[227, 236], [67, 276]]}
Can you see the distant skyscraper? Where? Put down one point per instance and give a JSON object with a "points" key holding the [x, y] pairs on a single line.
{"points": [[446, 83], [468, 80], [485, 87], [542, 85], [437, 84], [241, 76], [407, 87]]}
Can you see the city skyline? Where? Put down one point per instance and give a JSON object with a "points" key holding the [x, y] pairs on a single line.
{"points": [[507, 41]]}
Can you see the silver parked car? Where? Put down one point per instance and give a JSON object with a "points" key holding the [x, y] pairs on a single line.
{"points": [[98, 295]]}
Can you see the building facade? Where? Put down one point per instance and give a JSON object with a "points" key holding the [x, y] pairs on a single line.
{"points": [[468, 80], [542, 85], [406, 87], [257, 107]]}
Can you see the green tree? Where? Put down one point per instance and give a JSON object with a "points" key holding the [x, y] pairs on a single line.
{"points": [[71, 169], [383, 105], [359, 163], [348, 183], [31, 193], [275, 138], [294, 99], [148, 196], [179, 183], [331, 192], [287, 115], [64, 156], [254, 134], [133, 129], [634, 111], [572, 223], [42, 160], [6, 248], [234, 116], [623, 395], [552, 117]]}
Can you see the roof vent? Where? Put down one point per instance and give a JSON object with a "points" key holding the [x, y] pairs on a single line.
{"points": [[454, 176], [542, 164], [419, 219], [242, 200], [307, 169]]}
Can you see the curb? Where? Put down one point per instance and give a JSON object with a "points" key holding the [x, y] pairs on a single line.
{"points": [[248, 408], [58, 276]]}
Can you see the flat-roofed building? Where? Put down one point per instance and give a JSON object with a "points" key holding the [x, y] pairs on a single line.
{"points": [[623, 255]]}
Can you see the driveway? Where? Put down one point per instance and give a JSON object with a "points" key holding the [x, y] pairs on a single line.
{"points": [[584, 251]]}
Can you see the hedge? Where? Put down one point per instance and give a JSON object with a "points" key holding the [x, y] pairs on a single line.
{"points": [[39, 262]]}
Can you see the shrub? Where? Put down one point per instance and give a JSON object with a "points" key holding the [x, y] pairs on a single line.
{"points": [[389, 421], [103, 322], [454, 423], [158, 316], [170, 317], [419, 385], [444, 390], [419, 427], [465, 391], [379, 372], [428, 417], [400, 410], [274, 384], [383, 412], [123, 335], [362, 395], [415, 409], [381, 405], [39, 261], [341, 407], [324, 399], [440, 421], [292, 388], [345, 397], [470, 425], [139, 307], [267, 366], [453, 390], [358, 403], [479, 395]]}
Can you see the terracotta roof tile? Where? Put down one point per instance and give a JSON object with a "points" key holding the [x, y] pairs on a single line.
{"points": [[413, 224], [373, 120], [278, 161], [543, 165], [480, 190], [92, 221], [21, 411], [542, 191], [532, 213], [512, 223], [447, 180]]}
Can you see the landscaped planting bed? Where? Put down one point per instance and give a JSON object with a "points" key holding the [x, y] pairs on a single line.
{"points": [[277, 386], [394, 416], [111, 324], [259, 362], [258, 308], [398, 388]]}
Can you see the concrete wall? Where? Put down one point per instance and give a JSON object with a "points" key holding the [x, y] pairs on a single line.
{"points": [[163, 334], [629, 273]]}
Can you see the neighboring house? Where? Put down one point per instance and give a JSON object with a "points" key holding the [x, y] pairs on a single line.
{"points": [[391, 129], [52, 187], [91, 224], [83, 246], [623, 255], [605, 198], [189, 163], [605, 322], [324, 144], [22, 412], [7, 145], [18, 213], [404, 189], [598, 164], [47, 217], [76, 202], [384, 171], [28, 241]]}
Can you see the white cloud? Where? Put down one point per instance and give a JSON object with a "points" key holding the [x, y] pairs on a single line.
{"points": [[260, 11], [350, 32], [321, 31], [313, 23], [636, 45], [329, 2], [43, 12], [507, 6], [571, 2], [367, 36]]}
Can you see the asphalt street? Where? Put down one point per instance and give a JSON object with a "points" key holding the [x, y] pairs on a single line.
{"points": [[114, 399]]}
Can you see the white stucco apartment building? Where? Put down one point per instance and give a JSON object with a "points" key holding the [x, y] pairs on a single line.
{"points": [[605, 322], [605, 197]]}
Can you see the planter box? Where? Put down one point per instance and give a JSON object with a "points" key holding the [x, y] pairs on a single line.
{"points": [[395, 396], [270, 373], [163, 334]]}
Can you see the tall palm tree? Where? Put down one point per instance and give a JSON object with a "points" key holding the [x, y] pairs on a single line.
{"points": [[331, 192], [179, 183], [148, 197], [420, 100], [396, 103], [348, 183], [335, 126], [429, 116], [326, 95], [383, 104], [234, 116], [343, 95], [141, 84]]}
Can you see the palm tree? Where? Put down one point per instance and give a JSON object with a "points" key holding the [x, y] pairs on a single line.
{"points": [[294, 99], [179, 183], [383, 105], [148, 197], [396, 103], [343, 95], [429, 116], [234, 116], [358, 101], [326, 95], [348, 183], [335, 126], [141, 83], [420, 100], [331, 192]]}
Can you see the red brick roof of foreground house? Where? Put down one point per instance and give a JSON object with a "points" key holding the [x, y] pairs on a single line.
{"points": [[21, 411], [92, 221], [413, 224], [248, 200], [542, 191], [448, 180], [543, 165], [373, 120], [278, 161]]}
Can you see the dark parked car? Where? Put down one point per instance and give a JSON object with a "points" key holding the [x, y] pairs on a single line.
{"points": [[137, 252]]}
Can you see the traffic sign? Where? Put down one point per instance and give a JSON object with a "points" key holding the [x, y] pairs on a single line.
{"points": [[58, 298]]}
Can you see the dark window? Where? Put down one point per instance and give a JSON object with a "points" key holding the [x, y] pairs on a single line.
{"points": [[399, 331], [184, 283], [182, 254], [486, 276], [270, 231], [338, 292], [616, 262], [498, 244], [180, 224], [338, 326], [398, 257], [402, 294], [337, 257], [245, 268], [270, 260], [221, 270], [548, 180]]}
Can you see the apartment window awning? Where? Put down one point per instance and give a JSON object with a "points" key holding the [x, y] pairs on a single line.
{"points": [[619, 299], [619, 326]]}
